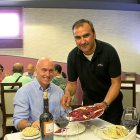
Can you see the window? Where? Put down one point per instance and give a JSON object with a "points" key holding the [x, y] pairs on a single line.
{"points": [[11, 28]]}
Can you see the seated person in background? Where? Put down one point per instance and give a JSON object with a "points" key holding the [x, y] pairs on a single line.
{"points": [[59, 78], [17, 73], [28, 101], [60, 81], [6, 72], [30, 71], [1, 70]]}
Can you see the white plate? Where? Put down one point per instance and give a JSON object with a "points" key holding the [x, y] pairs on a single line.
{"points": [[102, 136], [71, 129], [32, 137], [89, 119]]}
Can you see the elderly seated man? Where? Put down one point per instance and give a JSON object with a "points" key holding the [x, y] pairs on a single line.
{"points": [[17, 76], [30, 71]]}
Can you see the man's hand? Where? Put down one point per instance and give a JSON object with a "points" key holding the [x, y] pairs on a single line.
{"points": [[69, 91], [36, 124], [101, 105], [6, 73], [65, 100]]}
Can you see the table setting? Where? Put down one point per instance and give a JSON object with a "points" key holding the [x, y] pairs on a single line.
{"points": [[75, 129]]}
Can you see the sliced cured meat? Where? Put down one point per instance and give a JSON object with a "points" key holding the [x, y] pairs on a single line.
{"points": [[86, 113]]}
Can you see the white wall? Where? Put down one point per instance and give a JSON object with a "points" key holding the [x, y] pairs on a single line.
{"points": [[47, 32]]}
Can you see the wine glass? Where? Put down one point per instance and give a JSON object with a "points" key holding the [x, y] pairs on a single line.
{"points": [[130, 118], [61, 117]]}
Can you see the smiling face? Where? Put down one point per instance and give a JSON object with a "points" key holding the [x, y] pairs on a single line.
{"points": [[85, 38], [44, 71]]}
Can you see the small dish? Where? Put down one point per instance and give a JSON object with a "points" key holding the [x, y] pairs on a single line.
{"points": [[71, 129]]}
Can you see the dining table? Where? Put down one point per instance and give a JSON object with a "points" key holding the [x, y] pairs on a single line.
{"points": [[88, 134]]}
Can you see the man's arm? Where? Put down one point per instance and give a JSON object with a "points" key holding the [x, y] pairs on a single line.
{"points": [[24, 123], [69, 91], [21, 110], [113, 90], [112, 93]]}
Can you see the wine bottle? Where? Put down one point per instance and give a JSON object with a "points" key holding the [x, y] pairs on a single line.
{"points": [[46, 121]]}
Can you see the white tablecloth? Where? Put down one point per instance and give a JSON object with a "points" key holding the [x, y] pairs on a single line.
{"points": [[87, 135]]}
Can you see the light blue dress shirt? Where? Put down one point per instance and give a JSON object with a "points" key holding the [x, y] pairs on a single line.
{"points": [[28, 101]]}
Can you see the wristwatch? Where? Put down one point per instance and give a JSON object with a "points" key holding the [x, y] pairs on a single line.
{"points": [[106, 104], [29, 125]]}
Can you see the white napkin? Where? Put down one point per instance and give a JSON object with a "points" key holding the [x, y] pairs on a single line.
{"points": [[12, 137]]}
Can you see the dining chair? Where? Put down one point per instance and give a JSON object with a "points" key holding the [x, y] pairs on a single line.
{"points": [[1, 121], [128, 88], [7, 96], [130, 76]]}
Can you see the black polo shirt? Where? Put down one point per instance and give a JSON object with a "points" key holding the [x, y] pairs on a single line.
{"points": [[95, 75]]}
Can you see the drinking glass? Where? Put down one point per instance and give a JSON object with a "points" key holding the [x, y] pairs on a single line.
{"points": [[130, 118], [102, 133], [61, 118]]}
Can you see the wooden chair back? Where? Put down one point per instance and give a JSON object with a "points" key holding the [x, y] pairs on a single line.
{"points": [[7, 96], [131, 76], [129, 87]]}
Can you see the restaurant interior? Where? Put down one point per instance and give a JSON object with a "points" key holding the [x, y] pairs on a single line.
{"points": [[44, 29]]}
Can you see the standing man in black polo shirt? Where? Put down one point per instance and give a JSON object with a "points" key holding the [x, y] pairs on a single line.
{"points": [[98, 67]]}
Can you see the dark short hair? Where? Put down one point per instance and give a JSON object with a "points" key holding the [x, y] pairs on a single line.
{"points": [[1, 67], [17, 69], [81, 22]]}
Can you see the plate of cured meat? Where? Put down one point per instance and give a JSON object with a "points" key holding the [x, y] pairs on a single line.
{"points": [[86, 113]]}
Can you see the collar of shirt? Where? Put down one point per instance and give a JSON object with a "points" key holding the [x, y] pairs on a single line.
{"points": [[34, 74], [97, 50], [17, 74], [89, 57], [38, 86]]}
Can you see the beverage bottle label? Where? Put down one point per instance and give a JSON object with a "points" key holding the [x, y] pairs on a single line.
{"points": [[48, 128]]}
